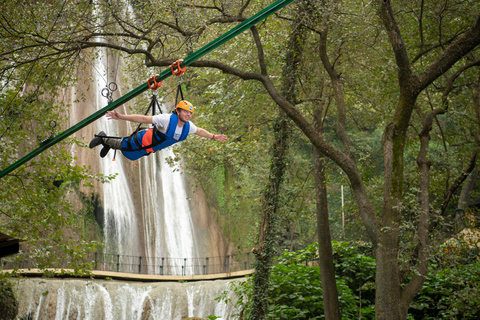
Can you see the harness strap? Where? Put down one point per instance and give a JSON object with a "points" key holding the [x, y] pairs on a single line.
{"points": [[179, 91], [135, 139], [153, 103], [109, 137], [156, 138]]}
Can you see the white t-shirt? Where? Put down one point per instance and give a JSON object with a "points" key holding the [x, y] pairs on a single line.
{"points": [[161, 122]]}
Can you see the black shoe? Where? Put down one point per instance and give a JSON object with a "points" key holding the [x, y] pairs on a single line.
{"points": [[97, 140], [104, 151]]}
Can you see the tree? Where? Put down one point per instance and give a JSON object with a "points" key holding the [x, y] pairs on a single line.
{"points": [[35, 199]]}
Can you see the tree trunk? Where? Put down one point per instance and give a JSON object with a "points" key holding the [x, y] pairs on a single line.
{"points": [[266, 247], [388, 304], [327, 268], [266, 242]]}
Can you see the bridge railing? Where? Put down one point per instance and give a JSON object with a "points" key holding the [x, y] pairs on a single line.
{"points": [[151, 265]]}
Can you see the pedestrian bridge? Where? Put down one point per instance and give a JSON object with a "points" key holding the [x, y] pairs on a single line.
{"points": [[141, 268], [97, 274]]}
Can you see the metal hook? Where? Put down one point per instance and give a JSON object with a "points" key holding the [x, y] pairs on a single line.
{"points": [[107, 92], [180, 79], [112, 86], [53, 124]]}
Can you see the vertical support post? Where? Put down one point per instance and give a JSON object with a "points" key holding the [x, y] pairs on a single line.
{"points": [[118, 262], [161, 267], [248, 260], [95, 268], [343, 216], [185, 265], [139, 264], [206, 263]]}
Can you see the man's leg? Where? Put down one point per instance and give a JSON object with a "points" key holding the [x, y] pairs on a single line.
{"points": [[108, 143], [114, 143]]}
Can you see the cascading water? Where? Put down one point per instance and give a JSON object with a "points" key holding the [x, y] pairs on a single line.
{"points": [[167, 223], [177, 212], [169, 219], [112, 300], [120, 215]]}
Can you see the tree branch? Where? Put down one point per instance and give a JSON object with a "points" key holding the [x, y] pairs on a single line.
{"points": [[415, 284], [337, 88], [458, 182], [405, 73], [458, 49]]}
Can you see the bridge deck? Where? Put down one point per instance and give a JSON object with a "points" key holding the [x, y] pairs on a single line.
{"points": [[67, 273]]}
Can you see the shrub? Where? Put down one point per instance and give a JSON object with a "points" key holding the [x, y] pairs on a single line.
{"points": [[357, 269], [451, 293], [8, 303], [295, 290]]}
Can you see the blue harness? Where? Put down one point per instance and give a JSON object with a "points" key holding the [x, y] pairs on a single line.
{"points": [[148, 141]]}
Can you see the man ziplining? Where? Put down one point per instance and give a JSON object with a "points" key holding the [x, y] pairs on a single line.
{"points": [[235, 31], [167, 129]]}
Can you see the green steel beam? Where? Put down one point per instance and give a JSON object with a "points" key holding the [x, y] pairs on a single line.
{"points": [[247, 24]]}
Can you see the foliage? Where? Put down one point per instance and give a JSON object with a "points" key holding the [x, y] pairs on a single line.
{"points": [[354, 264], [8, 302], [450, 293], [295, 290], [36, 198]]}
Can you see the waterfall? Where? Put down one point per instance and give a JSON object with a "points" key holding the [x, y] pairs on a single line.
{"points": [[112, 300], [120, 217], [146, 212], [169, 219], [177, 212], [168, 229]]}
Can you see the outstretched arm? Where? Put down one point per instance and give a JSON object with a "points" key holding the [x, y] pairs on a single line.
{"points": [[217, 137], [129, 117]]}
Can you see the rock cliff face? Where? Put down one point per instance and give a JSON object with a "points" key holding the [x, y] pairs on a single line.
{"points": [[150, 209], [108, 299]]}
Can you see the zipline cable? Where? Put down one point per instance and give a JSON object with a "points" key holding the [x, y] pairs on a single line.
{"points": [[245, 25]]}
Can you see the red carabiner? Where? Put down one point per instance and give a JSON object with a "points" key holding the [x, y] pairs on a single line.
{"points": [[176, 69], [156, 84]]}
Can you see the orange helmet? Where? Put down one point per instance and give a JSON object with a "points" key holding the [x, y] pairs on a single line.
{"points": [[184, 104]]}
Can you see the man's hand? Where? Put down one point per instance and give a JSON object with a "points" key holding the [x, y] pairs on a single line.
{"points": [[220, 138], [113, 115], [204, 133]]}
